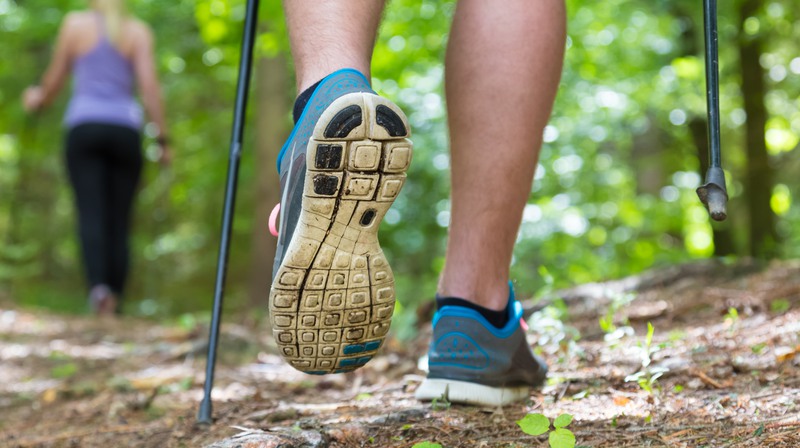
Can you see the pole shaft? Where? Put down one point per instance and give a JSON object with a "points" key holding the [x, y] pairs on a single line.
{"points": [[712, 81], [239, 114]]}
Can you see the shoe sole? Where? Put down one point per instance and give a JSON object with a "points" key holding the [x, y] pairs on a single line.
{"points": [[332, 299], [470, 393]]}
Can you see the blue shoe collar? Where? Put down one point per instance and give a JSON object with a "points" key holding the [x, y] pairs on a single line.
{"points": [[311, 101], [514, 315]]}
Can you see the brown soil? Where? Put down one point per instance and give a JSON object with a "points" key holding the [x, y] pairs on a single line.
{"points": [[732, 377]]}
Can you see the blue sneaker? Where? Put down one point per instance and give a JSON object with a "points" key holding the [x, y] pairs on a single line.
{"points": [[332, 294], [471, 361]]}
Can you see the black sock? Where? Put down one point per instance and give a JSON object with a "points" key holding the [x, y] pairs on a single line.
{"points": [[302, 100], [497, 318]]}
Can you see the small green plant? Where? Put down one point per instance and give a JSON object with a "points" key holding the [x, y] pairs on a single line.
{"points": [[581, 395], [648, 376], [426, 445], [441, 403], [647, 379], [677, 335], [618, 301], [555, 336], [64, 370], [57, 355], [538, 424], [758, 348], [780, 306], [732, 319]]}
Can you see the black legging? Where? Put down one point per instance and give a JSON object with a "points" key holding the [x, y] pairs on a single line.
{"points": [[104, 163]]}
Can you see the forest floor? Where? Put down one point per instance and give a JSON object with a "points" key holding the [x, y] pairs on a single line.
{"points": [[725, 342]]}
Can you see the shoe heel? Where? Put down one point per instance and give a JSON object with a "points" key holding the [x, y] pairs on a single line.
{"points": [[333, 297]]}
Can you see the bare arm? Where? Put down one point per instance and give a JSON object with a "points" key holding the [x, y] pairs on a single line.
{"points": [[144, 68], [147, 79], [38, 97]]}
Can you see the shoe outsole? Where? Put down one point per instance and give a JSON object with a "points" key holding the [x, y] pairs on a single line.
{"points": [[464, 392], [332, 298]]}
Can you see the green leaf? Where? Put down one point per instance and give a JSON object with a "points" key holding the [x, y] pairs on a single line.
{"points": [[780, 306], [562, 421], [64, 370], [534, 424], [562, 438], [650, 331], [426, 445]]}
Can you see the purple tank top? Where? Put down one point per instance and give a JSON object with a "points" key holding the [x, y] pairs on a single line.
{"points": [[103, 88]]}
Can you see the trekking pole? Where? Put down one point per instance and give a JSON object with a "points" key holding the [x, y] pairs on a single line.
{"points": [[245, 67], [713, 193]]}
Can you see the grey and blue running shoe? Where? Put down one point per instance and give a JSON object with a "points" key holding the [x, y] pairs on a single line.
{"points": [[471, 361], [332, 294]]}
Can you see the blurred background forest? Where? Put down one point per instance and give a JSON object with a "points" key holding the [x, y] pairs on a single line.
{"points": [[614, 190]]}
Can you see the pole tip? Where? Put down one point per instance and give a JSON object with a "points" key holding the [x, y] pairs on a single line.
{"points": [[204, 414], [715, 199], [717, 205], [714, 195]]}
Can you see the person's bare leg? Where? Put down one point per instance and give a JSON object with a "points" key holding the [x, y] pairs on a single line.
{"points": [[502, 70], [330, 35]]}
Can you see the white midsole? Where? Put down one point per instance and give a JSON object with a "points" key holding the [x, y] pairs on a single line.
{"points": [[470, 393]]}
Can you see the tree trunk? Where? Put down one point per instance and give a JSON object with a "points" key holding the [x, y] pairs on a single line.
{"points": [[759, 178], [273, 96]]}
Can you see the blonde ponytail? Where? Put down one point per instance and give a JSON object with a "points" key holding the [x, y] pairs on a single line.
{"points": [[114, 14]]}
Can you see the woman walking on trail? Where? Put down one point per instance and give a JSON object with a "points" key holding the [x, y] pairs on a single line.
{"points": [[107, 51]]}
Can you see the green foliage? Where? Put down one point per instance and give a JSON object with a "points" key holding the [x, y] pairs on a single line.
{"points": [[534, 424], [780, 306], [64, 370], [538, 424], [426, 445], [614, 189], [562, 421], [556, 336], [732, 319], [613, 333], [647, 377], [441, 403], [561, 438]]}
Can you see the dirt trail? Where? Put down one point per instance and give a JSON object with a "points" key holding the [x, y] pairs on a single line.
{"points": [[728, 378]]}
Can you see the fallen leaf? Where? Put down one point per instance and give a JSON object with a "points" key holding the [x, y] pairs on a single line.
{"points": [[50, 395], [783, 354]]}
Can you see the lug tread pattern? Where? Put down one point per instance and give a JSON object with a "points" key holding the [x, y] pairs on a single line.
{"points": [[332, 301]]}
